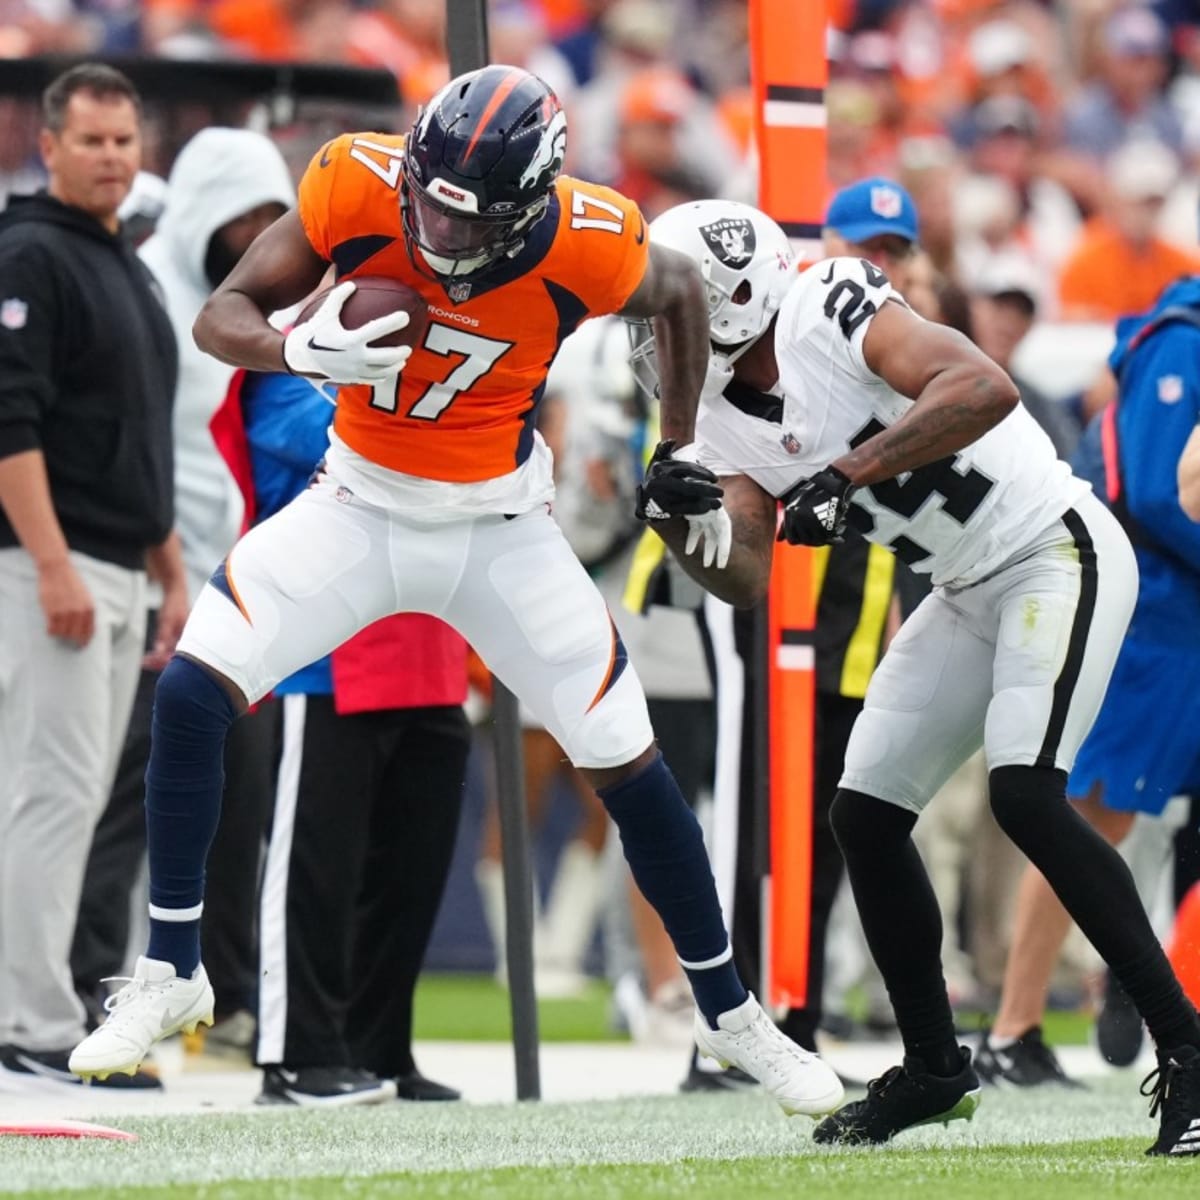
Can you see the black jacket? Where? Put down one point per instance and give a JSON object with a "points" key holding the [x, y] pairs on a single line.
{"points": [[87, 375]]}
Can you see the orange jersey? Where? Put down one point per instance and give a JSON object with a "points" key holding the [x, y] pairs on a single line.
{"points": [[462, 410]]}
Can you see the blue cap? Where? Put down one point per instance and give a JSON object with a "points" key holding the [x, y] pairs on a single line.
{"points": [[870, 208]]}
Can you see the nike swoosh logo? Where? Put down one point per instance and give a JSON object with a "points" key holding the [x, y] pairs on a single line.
{"points": [[828, 277], [170, 1018], [313, 345], [325, 159], [640, 236]]}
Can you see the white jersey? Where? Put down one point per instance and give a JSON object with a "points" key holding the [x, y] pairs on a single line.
{"points": [[957, 519]]}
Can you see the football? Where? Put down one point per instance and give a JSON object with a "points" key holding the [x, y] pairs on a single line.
{"points": [[378, 296]]}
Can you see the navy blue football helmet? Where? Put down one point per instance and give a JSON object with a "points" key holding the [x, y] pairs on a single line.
{"points": [[479, 168]]}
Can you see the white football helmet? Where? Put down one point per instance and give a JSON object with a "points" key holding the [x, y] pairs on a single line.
{"points": [[747, 263]]}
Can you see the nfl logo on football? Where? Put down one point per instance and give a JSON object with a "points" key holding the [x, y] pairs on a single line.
{"points": [[885, 202], [14, 313]]}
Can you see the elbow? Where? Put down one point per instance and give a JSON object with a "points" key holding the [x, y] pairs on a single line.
{"points": [[202, 328], [745, 598], [747, 589], [1002, 396]]}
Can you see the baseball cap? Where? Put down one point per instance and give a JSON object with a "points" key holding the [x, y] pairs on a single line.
{"points": [[998, 46], [1005, 114], [1008, 273], [1135, 31], [870, 208], [1142, 170], [656, 94]]}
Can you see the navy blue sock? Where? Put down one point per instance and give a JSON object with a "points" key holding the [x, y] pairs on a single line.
{"points": [[192, 714], [665, 851]]}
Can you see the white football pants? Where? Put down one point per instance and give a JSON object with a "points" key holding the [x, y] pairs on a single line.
{"points": [[1018, 664], [301, 583]]}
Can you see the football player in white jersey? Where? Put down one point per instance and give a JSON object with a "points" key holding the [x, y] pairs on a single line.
{"points": [[827, 394]]}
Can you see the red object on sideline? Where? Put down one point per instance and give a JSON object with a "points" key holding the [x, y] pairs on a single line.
{"points": [[1183, 949], [64, 1129], [229, 433], [406, 661]]}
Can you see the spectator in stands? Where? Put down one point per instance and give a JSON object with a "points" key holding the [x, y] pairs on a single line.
{"points": [[1127, 103], [1007, 148], [874, 219], [1005, 296], [1134, 760], [225, 187], [366, 812], [408, 37], [87, 372], [1122, 264]]}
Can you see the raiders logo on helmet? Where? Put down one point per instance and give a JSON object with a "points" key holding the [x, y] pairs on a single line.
{"points": [[731, 239]]}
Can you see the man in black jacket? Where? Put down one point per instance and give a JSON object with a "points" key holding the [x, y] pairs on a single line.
{"points": [[87, 374]]}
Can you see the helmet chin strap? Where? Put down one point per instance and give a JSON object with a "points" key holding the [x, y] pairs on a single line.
{"points": [[733, 355]]}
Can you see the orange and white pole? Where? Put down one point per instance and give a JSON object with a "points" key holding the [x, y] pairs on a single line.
{"points": [[789, 73]]}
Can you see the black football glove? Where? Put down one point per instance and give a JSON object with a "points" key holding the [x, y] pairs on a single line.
{"points": [[675, 488], [815, 510]]}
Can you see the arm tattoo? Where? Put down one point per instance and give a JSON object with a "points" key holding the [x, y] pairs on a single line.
{"points": [[949, 414]]}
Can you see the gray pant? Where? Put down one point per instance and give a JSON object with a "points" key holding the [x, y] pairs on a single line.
{"points": [[63, 712]]}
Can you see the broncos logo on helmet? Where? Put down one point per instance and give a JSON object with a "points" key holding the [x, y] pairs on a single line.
{"points": [[479, 168]]}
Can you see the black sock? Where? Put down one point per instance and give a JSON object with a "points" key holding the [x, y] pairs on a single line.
{"points": [[1096, 888], [902, 923]]}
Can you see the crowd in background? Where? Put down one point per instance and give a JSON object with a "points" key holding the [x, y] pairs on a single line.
{"points": [[1012, 122], [1052, 151]]}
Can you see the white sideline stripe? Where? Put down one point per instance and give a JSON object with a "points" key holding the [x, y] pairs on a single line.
{"points": [[272, 910], [723, 957], [798, 114], [176, 914], [722, 843]]}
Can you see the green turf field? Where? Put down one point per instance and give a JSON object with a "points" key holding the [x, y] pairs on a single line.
{"points": [[474, 1008], [1045, 1144]]}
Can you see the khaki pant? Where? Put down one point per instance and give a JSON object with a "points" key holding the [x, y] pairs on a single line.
{"points": [[63, 712]]}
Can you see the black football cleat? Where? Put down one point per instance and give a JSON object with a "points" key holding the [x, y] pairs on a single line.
{"points": [[323, 1087], [24, 1070], [900, 1099], [414, 1086], [1174, 1089], [1027, 1062]]}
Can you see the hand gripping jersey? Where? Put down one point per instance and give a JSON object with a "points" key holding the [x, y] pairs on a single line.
{"points": [[463, 409], [957, 519]]}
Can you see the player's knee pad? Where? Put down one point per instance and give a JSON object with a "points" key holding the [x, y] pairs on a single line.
{"points": [[865, 825], [1021, 796]]}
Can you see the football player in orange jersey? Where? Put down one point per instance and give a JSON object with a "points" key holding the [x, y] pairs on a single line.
{"points": [[434, 497]]}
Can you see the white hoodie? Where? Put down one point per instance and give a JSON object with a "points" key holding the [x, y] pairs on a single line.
{"points": [[219, 175]]}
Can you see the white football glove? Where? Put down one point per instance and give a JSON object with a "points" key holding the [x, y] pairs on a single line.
{"points": [[714, 531], [323, 347]]}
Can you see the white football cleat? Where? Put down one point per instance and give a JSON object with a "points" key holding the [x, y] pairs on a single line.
{"points": [[152, 1005], [747, 1038]]}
